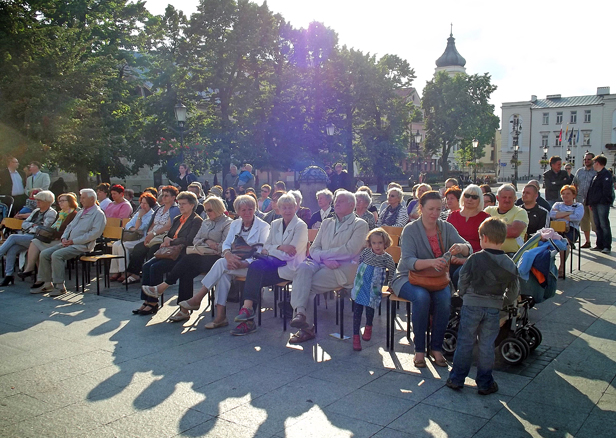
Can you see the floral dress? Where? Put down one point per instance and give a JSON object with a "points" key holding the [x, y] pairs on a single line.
{"points": [[371, 276]]}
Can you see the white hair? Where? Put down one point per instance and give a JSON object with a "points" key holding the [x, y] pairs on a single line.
{"points": [[350, 197], [473, 189], [90, 193], [297, 194], [327, 193], [287, 198], [363, 196], [506, 187]]}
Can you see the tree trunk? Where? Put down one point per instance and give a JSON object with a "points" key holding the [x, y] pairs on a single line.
{"points": [[82, 178], [105, 176], [349, 149]]}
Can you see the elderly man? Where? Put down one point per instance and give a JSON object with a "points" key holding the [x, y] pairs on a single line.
{"points": [[515, 217], [333, 264], [581, 181], [79, 237], [231, 177], [538, 217]]}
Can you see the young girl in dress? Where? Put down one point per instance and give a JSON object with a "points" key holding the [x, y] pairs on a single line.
{"points": [[371, 276]]}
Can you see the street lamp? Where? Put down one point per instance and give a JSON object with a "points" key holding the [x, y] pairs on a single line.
{"points": [[516, 129], [475, 144], [569, 154], [180, 116], [545, 158], [415, 140]]}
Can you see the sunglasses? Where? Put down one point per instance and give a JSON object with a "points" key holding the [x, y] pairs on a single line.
{"points": [[469, 196]]}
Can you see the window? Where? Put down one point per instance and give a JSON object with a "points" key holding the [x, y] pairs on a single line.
{"points": [[556, 141], [544, 140], [586, 138], [546, 118], [559, 118], [573, 118], [586, 116]]}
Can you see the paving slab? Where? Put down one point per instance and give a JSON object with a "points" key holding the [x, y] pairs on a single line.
{"points": [[368, 407], [411, 388]]}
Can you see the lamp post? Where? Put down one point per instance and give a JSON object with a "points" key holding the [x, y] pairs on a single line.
{"points": [[516, 129], [569, 154], [545, 158], [475, 144], [180, 116], [415, 140]]}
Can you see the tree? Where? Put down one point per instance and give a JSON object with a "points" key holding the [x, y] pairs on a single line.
{"points": [[457, 109]]}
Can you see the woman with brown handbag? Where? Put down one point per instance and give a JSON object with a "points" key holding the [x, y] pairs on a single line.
{"points": [[422, 276]]}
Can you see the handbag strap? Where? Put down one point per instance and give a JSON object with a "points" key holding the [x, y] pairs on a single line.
{"points": [[440, 239]]}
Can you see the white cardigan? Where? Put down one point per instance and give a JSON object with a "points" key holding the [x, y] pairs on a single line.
{"points": [[258, 234], [296, 234]]}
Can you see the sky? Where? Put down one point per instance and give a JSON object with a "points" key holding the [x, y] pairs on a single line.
{"points": [[535, 47]]}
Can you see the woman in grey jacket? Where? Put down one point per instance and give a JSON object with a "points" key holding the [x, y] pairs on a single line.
{"points": [[423, 243]]}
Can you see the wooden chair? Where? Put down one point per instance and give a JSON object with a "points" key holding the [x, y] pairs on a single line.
{"points": [[114, 222], [395, 240], [124, 222], [393, 231], [111, 233]]}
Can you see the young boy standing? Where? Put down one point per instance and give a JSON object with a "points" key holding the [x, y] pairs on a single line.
{"points": [[488, 282]]}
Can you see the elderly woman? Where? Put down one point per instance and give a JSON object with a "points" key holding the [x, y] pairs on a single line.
{"points": [[324, 201], [395, 214], [265, 203], [102, 195], [182, 233], [120, 208], [362, 202], [139, 223], [68, 210], [196, 188], [157, 228], [207, 248], [489, 199], [372, 208], [413, 207], [44, 215], [424, 243], [287, 242], [571, 213], [452, 201], [274, 213], [254, 231], [302, 212]]}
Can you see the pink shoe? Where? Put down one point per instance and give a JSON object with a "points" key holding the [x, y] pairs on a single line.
{"points": [[356, 343], [367, 333]]}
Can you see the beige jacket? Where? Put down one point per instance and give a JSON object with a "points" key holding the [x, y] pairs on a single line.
{"points": [[296, 234], [342, 246]]}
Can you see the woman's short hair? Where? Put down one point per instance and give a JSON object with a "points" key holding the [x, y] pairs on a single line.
{"points": [[45, 196], [491, 196], [170, 190], [397, 191], [252, 194], [276, 195], [149, 198], [280, 186], [298, 196], [266, 187], [117, 188], [568, 187], [244, 200], [485, 188], [152, 190], [422, 185], [362, 196], [327, 193], [384, 235], [393, 184], [473, 189], [365, 189], [70, 198], [188, 196], [287, 198], [185, 166], [103, 187], [452, 180], [454, 190], [429, 196], [216, 204]]}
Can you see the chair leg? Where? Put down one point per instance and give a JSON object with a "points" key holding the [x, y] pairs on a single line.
{"points": [[285, 298], [392, 324], [341, 299], [408, 321], [387, 329], [315, 312]]}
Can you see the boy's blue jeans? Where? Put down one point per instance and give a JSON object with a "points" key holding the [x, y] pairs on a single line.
{"points": [[481, 324]]}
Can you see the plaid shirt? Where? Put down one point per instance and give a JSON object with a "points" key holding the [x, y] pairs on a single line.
{"points": [[582, 181]]}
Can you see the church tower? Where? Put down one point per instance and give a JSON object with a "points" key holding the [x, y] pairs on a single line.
{"points": [[451, 61]]}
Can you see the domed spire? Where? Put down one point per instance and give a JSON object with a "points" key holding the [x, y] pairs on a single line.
{"points": [[451, 57]]}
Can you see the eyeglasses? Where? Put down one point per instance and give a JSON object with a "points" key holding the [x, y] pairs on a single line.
{"points": [[469, 196], [62, 200], [567, 168]]}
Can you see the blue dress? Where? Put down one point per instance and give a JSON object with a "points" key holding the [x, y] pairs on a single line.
{"points": [[371, 276]]}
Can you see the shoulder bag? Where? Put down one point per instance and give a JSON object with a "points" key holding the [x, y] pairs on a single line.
{"points": [[243, 250], [429, 278], [44, 234], [169, 252], [132, 235], [156, 240]]}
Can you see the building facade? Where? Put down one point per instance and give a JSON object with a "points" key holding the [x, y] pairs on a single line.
{"points": [[588, 123]]}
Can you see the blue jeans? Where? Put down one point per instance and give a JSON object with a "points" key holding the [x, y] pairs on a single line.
{"points": [[601, 216], [12, 246], [439, 303], [481, 324]]}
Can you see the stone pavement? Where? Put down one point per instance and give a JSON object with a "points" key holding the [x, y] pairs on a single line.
{"points": [[83, 365]]}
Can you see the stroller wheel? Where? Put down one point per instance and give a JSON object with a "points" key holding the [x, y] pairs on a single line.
{"points": [[450, 341], [535, 337], [526, 346], [512, 350]]}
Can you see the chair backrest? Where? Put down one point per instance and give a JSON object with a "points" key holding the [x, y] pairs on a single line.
{"points": [[124, 221], [393, 231], [558, 226], [395, 252], [114, 222], [112, 232], [312, 234], [395, 240], [11, 223]]}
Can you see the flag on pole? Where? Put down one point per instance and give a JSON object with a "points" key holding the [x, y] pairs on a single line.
{"points": [[560, 136], [577, 140], [571, 135], [567, 132]]}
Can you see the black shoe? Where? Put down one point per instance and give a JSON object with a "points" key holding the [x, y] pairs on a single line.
{"points": [[9, 279], [491, 390], [136, 311], [24, 275], [153, 310], [452, 385], [596, 248]]}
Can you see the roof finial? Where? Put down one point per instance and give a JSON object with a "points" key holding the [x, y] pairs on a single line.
{"points": [[451, 33]]}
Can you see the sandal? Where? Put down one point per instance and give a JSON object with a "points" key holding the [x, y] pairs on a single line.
{"points": [[302, 336], [421, 363], [442, 362], [130, 280], [114, 277], [136, 311], [153, 309], [179, 317]]}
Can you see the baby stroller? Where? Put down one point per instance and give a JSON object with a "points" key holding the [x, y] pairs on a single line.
{"points": [[517, 336]]}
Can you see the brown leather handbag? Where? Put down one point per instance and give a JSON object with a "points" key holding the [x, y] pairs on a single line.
{"points": [[169, 252], [429, 278]]}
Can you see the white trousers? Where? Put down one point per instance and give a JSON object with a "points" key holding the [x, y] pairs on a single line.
{"points": [[221, 277]]}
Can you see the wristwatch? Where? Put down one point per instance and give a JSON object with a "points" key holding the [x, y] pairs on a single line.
{"points": [[154, 233]]}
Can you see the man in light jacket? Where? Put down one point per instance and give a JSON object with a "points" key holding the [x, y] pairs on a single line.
{"points": [[332, 263], [79, 237], [36, 179]]}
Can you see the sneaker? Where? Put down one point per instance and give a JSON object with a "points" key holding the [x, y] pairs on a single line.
{"points": [[491, 390], [452, 385], [606, 251], [244, 329], [245, 315], [596, 248]]}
